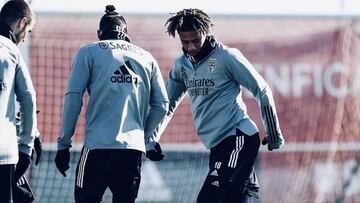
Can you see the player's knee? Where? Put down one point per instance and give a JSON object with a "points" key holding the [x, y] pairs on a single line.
{"points": [[128, 192]]}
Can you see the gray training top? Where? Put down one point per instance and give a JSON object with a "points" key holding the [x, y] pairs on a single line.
{"points": [[15, 81], [214, 85], [127, 96]]}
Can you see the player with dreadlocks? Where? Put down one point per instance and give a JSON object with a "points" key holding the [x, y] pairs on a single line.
{"points": [[127, 100], [213, 75]]}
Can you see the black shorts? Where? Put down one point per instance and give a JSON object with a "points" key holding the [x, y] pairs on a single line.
{"points": [[231, 177], [7, 177], [98, 169]]}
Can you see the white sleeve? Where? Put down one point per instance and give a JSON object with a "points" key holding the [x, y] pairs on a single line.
{"points": [[26, 96]]}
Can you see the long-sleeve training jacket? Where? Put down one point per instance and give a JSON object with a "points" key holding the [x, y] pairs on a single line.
{"points": [[127, 96], [15, 84], [214, 82]]}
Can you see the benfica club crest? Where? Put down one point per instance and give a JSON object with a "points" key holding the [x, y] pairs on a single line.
{"points": [[212, 64]]}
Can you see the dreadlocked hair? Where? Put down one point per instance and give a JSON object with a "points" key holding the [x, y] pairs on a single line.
{"points": [[189, 20]]}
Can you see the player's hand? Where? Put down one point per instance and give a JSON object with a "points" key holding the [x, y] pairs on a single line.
{"points": [[155, 154], [38, 150], [22, 165], [62, 160], [275, 143]]}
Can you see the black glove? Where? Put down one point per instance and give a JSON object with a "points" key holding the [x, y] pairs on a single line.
{"points": [[37, 151], [62, 160], [22, 165], [273, 144], [155, 154]]}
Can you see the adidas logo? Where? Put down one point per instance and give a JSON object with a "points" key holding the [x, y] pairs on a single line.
{"points": [[214, 173], [122, 75], [215, 183]]}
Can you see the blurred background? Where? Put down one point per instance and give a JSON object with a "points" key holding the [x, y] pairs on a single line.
{"points": [[307, 50]]}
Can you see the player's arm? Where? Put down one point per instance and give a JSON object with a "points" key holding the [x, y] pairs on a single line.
{"points": [[159, 103], [246, 75], [176, 90], [26, 96], [77, 83]]}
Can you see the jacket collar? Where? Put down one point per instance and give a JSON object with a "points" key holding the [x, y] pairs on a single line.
{"points": [[5, 31], [115, 35]]}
